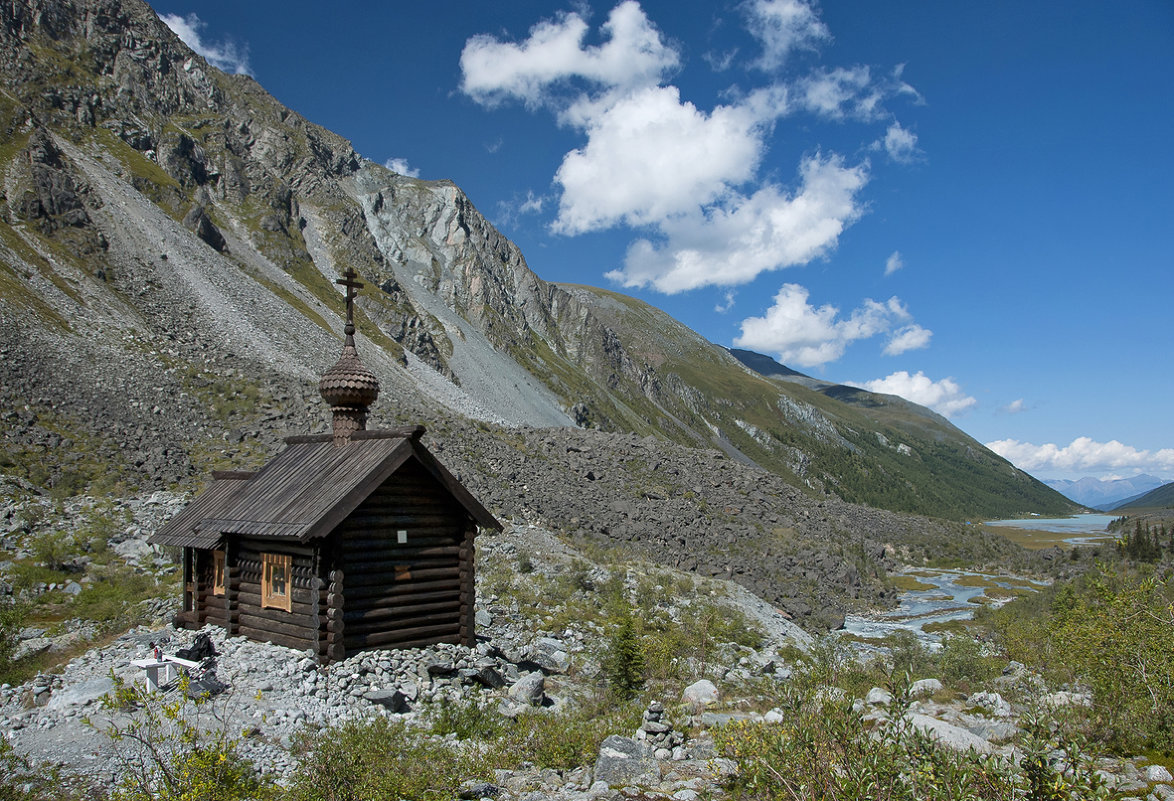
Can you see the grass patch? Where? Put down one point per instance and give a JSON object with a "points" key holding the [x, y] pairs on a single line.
{"points": [[907, 583]]}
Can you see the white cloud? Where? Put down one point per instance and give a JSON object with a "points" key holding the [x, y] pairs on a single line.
{"points": [[893, 263], [853, 92], [910, 337], [783, 26], [900, 144], [649, 156], [634, 55], [402, 167], [945, 397], [733, 243], [1015, 407], [1084, 454], [727, 302], [807, 336], [839, 92], [651, 159], [226, 56]]}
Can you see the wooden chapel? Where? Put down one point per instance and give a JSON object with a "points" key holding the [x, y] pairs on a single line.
{"points": [[344, 542]]}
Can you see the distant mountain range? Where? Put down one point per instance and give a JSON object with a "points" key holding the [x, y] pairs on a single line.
{"points": [[1105, 494]]}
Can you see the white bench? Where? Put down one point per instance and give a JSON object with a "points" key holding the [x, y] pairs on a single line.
{"points": [[158, 672]]}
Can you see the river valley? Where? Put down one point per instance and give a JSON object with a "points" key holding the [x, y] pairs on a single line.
{"points": [[935, 596]]}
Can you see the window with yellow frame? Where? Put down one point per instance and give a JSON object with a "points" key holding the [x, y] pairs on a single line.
{"points": [[218, 572], [276, 579]]}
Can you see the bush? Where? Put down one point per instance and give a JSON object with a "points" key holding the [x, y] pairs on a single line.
{"points": [[565, 741], [623, 664], [12, 615], [823, 750], [381, 758], [1111, 630], [1119, 636], [178, 748]]}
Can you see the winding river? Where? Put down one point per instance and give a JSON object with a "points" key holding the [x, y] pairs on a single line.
{"points": [[947, 594]]}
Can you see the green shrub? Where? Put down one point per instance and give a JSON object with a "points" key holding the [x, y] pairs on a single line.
{"points": [[623, 664], [12, 616], [466, 719], [381, 758], [1119, 636], [823, 750], [54, 549], [566, 740], [179, 747]]}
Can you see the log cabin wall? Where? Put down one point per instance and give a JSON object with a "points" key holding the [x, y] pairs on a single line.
{"points": [[402, 568], [297, 628]]}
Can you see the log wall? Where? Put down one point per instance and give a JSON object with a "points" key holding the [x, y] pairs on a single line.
{"points": [[297, 628], [388, 594]]}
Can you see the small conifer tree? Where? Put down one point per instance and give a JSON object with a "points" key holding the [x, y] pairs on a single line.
{"points": [[623, 665]]}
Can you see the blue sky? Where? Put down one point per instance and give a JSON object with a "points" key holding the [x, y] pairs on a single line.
{"points": [[967, 204]]}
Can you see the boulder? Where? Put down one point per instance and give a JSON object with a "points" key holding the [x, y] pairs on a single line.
{"points": [[949, 735], [701, 694], [392, 700], [624, 762], [530, 689], [81, 693], [923, 687], [1158, 773]]}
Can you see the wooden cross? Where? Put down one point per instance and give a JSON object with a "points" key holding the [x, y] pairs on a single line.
{"points": [[352, 289]]}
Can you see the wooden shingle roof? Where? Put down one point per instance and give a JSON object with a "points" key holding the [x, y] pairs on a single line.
{"points": [[308, 489]]}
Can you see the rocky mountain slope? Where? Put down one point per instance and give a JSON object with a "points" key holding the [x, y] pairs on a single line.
{"points": [[168, 240]]}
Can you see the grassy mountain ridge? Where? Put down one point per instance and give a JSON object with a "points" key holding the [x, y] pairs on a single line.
{"points": [[1161, 497]]}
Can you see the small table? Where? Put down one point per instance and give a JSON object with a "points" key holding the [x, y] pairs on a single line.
{"points": [[160, 671]]}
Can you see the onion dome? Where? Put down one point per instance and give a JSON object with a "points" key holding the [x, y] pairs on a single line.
{"points": [[349, 382]]}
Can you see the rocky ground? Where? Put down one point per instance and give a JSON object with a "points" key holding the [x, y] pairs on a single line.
{"points": [[520, 666]]}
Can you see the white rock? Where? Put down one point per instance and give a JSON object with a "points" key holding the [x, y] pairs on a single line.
{"points": [[1158, 773], [949, 735], [700, 694], [924, 687]]}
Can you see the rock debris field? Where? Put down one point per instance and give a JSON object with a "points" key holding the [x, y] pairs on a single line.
{"points": [[273, 692]]}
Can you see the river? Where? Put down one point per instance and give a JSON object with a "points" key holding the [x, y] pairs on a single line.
{"points": [[1083, 529], [947, 594]]}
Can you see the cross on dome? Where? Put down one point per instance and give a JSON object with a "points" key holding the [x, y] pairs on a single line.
{"points": [[352, 289], [349, 387]]}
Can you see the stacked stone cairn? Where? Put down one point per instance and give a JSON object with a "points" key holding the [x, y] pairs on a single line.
{"points": [[657, 732]]}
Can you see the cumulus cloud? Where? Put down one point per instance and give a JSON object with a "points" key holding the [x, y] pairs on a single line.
{"points": [[783, 26], [402, 167], [900, 144], [808, 336], [736, 241], [1014, 407], [634, 55], [910, 337], [650, 156], [1084, 454], [893, 263], [226, 56], [945, 397], [687, 175]]}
